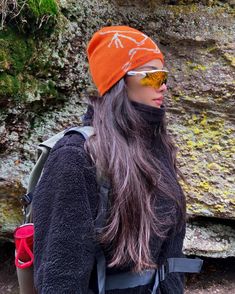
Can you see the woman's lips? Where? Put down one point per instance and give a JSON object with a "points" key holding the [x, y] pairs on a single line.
{"points": [[158, 100]]}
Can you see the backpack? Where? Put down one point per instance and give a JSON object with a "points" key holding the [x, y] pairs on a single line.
{"points": [[104, 282]]}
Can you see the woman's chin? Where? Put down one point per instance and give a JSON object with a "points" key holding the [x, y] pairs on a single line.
{"points": [[156, 105]]}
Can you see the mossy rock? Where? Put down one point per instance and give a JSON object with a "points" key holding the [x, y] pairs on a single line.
{"points": [[15, 51], [39, 16], [20, 64], [42, 7], [9, 85]]}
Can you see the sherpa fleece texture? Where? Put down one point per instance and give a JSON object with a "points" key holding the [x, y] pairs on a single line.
{"points": [[64, 204]]}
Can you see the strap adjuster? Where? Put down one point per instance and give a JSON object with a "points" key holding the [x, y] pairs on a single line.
{"points": [[163, 271], [26, 199]]}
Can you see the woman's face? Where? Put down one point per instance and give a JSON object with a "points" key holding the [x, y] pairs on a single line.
{"points": [[146, 94]]}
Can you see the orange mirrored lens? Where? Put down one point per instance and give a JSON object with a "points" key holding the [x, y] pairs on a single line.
{"points": [[155, 79]]}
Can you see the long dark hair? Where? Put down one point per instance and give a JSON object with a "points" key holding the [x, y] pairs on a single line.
{"points": [[119, 152]]}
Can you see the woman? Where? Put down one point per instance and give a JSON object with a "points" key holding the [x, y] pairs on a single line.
{"points": [[145, 221]]}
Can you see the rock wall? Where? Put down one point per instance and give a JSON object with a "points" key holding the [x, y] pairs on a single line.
{"points": [[44, 80]]}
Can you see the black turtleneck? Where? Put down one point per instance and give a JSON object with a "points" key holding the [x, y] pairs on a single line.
{"points": [[154, 117], [151, 114]]}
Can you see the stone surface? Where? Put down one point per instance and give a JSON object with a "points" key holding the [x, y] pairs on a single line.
{"points": [[210, 239], [44, 81]]}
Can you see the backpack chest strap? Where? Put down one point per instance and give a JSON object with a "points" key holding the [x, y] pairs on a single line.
{"points": [[131, 279]]}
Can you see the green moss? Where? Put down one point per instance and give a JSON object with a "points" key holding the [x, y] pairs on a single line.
{"points": [[11, 214], [19, 61], [213, 166], [4, 64], [211, 49], [191, 144], [200, 144], [9, 85], [26, 88], [15, 51], [208, 144], [194, 66], [43, 7], [220, 208], [196, 130], [48, 89], [175, 98], [204, 185], [36, 16], [183, 9], [229, 58]]}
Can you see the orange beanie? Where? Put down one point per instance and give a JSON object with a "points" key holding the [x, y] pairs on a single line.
{"points": [[114, 50]]}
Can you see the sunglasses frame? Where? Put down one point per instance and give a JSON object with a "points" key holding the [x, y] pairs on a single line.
{"points": [[145, 72]]}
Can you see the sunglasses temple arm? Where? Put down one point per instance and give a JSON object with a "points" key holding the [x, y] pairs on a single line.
{"points": [[131, 73]]}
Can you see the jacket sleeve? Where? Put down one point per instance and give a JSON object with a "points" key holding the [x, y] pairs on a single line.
{"points": [[174, 283], [63, 244]]}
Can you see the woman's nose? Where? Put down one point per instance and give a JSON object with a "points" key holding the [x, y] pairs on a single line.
{"points": [[163, 88]]}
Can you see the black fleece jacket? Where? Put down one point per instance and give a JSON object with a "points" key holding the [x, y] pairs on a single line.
{"points": [[65, 203]]}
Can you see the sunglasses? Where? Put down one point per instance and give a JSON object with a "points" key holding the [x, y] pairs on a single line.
{"points": [[153, 78]]}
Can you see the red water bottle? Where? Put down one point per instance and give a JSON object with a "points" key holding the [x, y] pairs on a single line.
{"points": [[24, 236]]}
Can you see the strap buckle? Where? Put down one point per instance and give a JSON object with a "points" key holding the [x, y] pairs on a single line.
{"points": [[163, 271]]}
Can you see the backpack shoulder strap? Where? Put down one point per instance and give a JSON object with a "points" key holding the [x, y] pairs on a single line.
{"points": [[99, 223], [86, 131], [44, 149], [104, 202]]}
